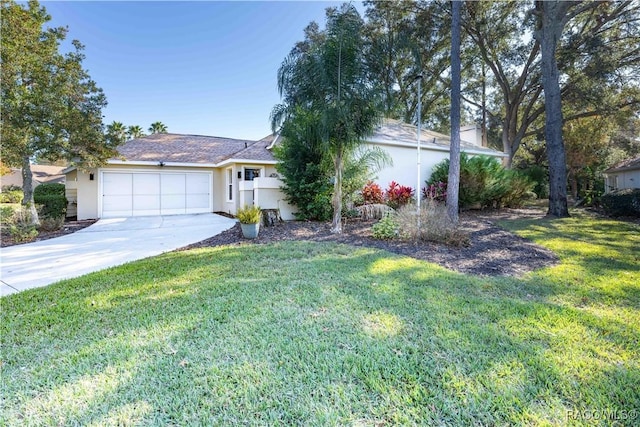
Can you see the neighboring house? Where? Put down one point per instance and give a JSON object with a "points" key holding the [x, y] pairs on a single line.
{"points": [[164, 174], [624, 175], [40, 173]]}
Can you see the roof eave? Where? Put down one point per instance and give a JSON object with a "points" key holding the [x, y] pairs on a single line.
{"points": [[430, 146], [158, 163], [625, 169], [240, 160]]}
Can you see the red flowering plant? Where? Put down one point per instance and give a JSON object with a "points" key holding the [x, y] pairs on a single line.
{"points": [[398, 195], [372, 194], [436, 192]]}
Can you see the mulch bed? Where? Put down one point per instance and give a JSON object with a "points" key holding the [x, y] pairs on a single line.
{"points": [[68, 228], [493, 250]]}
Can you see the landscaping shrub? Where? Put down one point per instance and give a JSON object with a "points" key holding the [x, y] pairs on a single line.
{"points": [[436, 191], [249, 214], [21, 233], [540, 177], [53, 189], [51, 223], [385, 229], [398, 195], [11, 194], [52, 199], [372, 194], [622, 202], [21, 229], [517, 189], [306, 185], [484, 182], [434, 225], [7, 215], [373, 211]]}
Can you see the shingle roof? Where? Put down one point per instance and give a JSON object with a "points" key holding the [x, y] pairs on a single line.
{"points": [[257, 151], [178, 148], [40, 173], [629, 164], [392, 131]]}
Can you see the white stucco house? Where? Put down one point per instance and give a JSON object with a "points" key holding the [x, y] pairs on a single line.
{"points": [[168, 174], [622, 176], [400, 140]]}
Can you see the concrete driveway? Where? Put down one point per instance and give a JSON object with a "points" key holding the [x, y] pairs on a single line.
{"points": [[106, 243]]}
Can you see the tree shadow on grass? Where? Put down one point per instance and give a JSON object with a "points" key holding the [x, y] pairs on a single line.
{"points": [[308, 333]]}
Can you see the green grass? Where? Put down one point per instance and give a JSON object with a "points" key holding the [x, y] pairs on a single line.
{"points": [[302, 333]]}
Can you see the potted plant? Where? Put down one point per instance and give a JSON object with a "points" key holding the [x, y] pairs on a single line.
{"points": [[249, 217]]}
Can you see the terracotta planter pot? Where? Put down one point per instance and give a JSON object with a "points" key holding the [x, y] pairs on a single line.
{"points": [[250, 231]]}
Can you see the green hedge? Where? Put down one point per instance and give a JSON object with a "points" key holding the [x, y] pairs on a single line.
{"points": [[49, 189], [52, 198], [622, 202]]}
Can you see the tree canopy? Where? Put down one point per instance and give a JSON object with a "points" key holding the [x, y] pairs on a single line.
{"points": [[117, 132], [597, 54], [51, 108], [157, 127], [135, 131]]}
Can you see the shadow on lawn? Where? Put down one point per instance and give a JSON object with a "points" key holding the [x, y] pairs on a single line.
{"points": [[310, 333]]}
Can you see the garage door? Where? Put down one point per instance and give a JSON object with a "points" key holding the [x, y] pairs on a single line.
{"points": [[159, 193]]}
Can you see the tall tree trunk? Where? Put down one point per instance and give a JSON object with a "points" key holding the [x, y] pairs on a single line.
{"points": [[454, 151], [506, 146], [27, 189], [485, 140], [336, 226], [551, 23]]}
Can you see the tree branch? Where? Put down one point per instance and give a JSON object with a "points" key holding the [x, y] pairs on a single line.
{"points": [[585, 114]]}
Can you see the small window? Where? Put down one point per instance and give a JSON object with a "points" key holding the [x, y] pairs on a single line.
{"points": [[230, 184], [251, 174]]}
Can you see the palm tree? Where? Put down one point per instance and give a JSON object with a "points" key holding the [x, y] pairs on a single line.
{"points": [[326, 76], [135, 132], [158, 127], [116, 132]]}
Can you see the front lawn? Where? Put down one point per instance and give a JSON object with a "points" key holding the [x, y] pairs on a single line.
{"points": [[303, 333]]}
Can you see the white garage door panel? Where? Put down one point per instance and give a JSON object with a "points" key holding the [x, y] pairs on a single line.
{"points": [[146, 205], [173, 194], [197, 192], [148, 193], [173, 204], [117, 184], [173, 183], [117, 200], [197, 201], [146, 183], [197, 183], [114, 206]]}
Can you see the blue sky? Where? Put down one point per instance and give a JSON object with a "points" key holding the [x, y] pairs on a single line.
{"points": [[205, 68]]}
